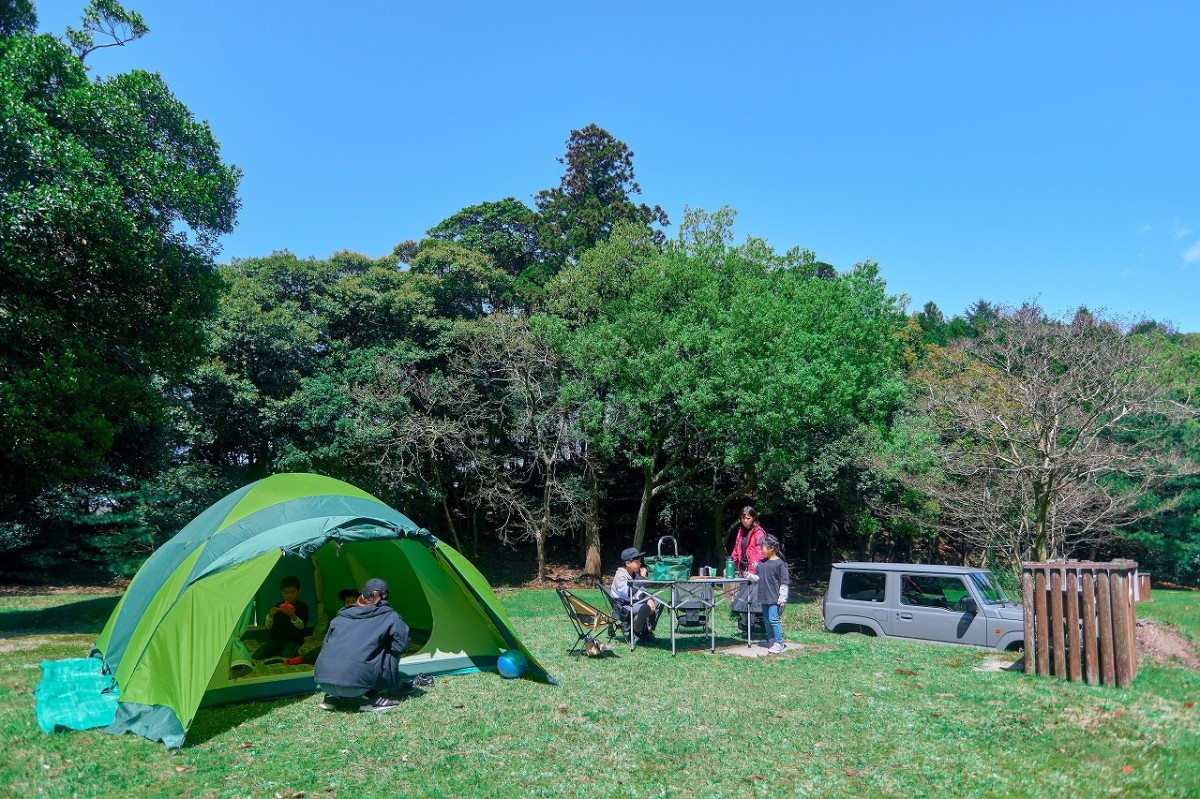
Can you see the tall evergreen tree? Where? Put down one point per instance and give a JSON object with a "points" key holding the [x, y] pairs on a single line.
{"points": [[593, 196], [112, 198]]}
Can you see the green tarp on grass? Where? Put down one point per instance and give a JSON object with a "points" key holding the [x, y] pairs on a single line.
{"points": [[75, 694]]}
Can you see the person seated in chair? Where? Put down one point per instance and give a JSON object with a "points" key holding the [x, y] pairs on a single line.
{"points": [[644, 609]]}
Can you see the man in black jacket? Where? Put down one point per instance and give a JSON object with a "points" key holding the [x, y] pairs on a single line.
{"points": [[360, 657]]}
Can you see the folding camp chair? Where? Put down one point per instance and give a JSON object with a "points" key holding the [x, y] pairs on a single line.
{"points": [[620, 612], [745, 608], [588, 621]]}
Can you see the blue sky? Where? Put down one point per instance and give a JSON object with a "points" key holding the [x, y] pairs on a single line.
{"points": [[1006, 151]]}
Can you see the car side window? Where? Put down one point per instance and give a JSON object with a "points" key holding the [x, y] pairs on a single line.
{"points": [[863, 586], [931, 590]]}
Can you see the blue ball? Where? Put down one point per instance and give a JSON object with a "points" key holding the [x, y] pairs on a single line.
{"points": [[512, 664]]}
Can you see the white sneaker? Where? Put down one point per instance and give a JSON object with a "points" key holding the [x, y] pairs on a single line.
{"points": [[775, 648]]}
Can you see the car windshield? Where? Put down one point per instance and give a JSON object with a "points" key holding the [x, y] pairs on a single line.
{"points": [[989, 589]]}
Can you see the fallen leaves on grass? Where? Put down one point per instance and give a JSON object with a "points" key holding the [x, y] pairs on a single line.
{"points": [[906, 671]]}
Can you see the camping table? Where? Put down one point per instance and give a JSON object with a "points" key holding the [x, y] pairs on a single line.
{"points": [[668, 592]]}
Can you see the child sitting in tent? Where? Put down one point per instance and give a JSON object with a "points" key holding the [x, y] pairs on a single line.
{"points": [[348, 597], [285, 623]]}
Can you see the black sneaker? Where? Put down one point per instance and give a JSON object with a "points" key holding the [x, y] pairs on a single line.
{"points": [[377, 704], [422, 681], [334, 703]]}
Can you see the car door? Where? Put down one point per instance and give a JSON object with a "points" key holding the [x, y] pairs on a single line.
{"points": [[930, 610]]}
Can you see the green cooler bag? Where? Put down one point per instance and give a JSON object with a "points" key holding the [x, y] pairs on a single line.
{"points": [[668, 567]]}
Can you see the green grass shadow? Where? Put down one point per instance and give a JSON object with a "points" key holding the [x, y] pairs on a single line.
{"points": [[84, 616]]}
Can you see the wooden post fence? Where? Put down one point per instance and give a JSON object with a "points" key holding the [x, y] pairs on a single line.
{"points": [[1143, 583], [1080, 621]]}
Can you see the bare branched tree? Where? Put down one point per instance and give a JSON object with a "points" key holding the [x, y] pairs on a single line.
{"points": [[1042, 426], [528, 461], [494, 421]]}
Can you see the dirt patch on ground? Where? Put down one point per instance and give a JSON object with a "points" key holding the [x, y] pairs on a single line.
{"points": [[117, 584], [559, 575], [1166, 646], [759, 649], [1162, 646], [27, 643], [1002, 661]]}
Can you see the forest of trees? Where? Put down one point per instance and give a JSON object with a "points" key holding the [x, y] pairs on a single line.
{"points": [[562, 378]]}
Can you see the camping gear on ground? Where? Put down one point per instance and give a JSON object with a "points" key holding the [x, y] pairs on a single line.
{"points": [[169, 644], [512, 664], [589, 622], [747, 600], [668, 567], [692, 603]]}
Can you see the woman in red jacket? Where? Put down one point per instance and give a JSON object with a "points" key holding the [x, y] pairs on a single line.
{"points": [[746, 552]]}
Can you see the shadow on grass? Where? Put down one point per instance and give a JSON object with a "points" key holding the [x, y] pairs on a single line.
{"points": [[84, 616], [213, 721]]}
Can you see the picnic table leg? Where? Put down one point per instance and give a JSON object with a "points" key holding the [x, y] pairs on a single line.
{"points": [[674, 602], [749, 628], [712, 619]]}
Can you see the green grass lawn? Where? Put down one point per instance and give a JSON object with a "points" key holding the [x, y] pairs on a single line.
{"points": [[837, 716]]}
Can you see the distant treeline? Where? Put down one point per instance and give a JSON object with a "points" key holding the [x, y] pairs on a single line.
{"points": [[572, 370]]}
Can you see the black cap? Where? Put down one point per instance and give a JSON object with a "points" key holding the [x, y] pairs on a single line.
{"points": [[632, 553], [375, 585]]}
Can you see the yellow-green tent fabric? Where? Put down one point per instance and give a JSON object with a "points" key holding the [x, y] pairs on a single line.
{"points": [[168, 643]]}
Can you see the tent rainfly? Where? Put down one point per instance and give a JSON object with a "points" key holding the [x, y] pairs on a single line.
{"points": [[174, 642]]}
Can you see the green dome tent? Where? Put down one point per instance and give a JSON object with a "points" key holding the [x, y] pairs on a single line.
{"points": [[172, 643]]}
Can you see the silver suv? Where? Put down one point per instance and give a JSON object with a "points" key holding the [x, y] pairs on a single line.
{"points": [[947, 604]]}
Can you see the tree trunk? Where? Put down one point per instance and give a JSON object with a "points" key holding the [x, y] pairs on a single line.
{"points": [[450, 523], [539, 537], [591, 543], [808, 552], [718, 530], [1042, 492], [476, 523], [643, 517]]}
